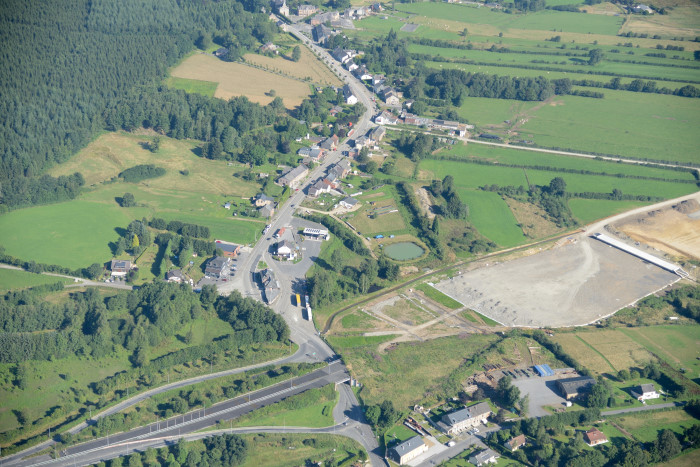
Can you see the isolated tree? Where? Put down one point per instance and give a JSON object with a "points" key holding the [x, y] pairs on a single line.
{"points": [[127, 200], [154, 145], [296, 53], [667, 445], [595, 56], [465, 32]]}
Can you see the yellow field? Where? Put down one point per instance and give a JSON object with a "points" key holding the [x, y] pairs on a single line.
{"points": [[236, 79], [680, 22], [582, 353], [111, 153], [620, 350], [309, 66]]}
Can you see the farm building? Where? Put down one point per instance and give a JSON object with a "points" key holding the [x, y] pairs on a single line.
{"points": [[572, 387], [230, 250], [594, 437], [293, 176], [378, 133], [644, 392], [316, 234], [218, 267], [486, 456], [515, 443], [174, 276], [221, 52], [674, 268], [120, 267], [408, 450], [468, 417], [544, 370]]}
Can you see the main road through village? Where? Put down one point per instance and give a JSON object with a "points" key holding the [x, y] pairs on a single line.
{"points": [[348, 414]]}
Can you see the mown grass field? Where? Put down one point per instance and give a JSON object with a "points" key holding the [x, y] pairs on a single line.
{"points": [[235, 79], [73, 234], [424, 364], [646, 427], [273, 450], [589, 210], [434, 294], [492, 217], [389, 223], [678, 345], [12, 279], [208, 88]]}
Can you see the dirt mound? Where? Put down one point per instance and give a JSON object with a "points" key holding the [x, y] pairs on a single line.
{"points": [[687, 207]]}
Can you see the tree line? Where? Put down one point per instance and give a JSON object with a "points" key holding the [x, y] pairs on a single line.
{"points": [[141, 172]]}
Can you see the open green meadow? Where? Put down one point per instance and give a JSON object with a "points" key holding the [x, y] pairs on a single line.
{"points": [[374, 216], [543, 20], [208, 88], [73, 234], [646, 427], [424, 364], [589, 210], [492, 217], [678, 345], [12, 279], [282, 450]]}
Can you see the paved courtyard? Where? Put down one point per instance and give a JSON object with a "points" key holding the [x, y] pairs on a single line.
{"points": [[542, 392], [570, 285]]}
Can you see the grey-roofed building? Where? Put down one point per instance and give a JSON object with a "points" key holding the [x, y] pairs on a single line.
{"points": [[486, 456], [460, 420], [320, 33], [572, 387], [349, 96], [271, 286], [286, 249], [267, 211], [408, 450], [120, 267], [218, 267], [174, 276], [378, 133], [262, 199], [644, 392], [348, 203], [221, 52], [293, 176]]}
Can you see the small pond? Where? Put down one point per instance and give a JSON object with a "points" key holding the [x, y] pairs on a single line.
{"points": [[403, 251]]}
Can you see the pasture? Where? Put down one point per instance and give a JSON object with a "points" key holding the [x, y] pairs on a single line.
{"points": [[678, 345], [646, 427], [309, 67], [376, 216], [282, 450], [492, 217], [13, 279], [236, 79], [72, 234], [208, 88], [426, 364], [589, 210]]}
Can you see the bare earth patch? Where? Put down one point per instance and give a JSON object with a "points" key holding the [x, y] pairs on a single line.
{"points": [[308, 67], [675, 231], [573, 284], [236, 79]]}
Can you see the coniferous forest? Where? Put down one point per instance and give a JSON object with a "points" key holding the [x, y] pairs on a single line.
{"points": [[49, 110]]}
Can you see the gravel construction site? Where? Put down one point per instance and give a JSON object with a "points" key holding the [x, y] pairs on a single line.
{"points": [[573, 284]]}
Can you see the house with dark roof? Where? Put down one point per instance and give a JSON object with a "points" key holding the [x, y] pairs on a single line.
{"points": [[218, 267], [377, 134], [362, 73], [405, 452], [321, 33], [230, 250], [644, 392], [486, 456], [391, 97], [271, 286], [594, 437], [468, 417], [221, 52], [330, 143], [349, 96], [267, 211], [572, 387], [326, 17], [120, 267], [515, 443], [386, 118], [175, 276], [262, 199], [348, 203]]}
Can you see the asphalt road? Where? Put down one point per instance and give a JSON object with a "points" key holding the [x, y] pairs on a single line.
{"points": [[193, 421]]}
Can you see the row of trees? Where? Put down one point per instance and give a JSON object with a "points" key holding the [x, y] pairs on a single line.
{"points": [[141, 172]]}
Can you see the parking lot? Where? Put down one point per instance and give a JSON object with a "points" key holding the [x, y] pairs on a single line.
{"points": [[542, 391]]}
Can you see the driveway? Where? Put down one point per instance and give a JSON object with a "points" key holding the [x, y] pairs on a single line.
{"points": [[542, 392]]}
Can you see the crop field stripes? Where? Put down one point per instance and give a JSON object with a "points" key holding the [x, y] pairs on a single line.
{"points": [[596, 351]]}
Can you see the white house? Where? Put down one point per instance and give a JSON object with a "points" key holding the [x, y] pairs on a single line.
{"points": [[644, 392], [350, 98], [405, 452], [286, 250], [484, 457], [460, 420]]}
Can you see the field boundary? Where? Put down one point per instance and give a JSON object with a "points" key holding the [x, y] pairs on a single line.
{"points": [[596, 351]]}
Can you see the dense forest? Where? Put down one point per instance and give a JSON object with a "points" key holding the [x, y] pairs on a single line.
{"points": [[65, 62], [89, 325]]}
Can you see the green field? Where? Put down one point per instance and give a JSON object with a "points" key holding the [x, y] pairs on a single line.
{"points": [[12, 279], [647, 427], [313, 409], [283, 450], [543, 20], [492, 217], [678, 345], [441, 298], [208, 88], [424, 364], [349, 342], [73, 234], [589, 210]]}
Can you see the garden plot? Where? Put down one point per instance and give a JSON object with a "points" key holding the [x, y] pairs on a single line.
{"points": [[571, 285]]}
